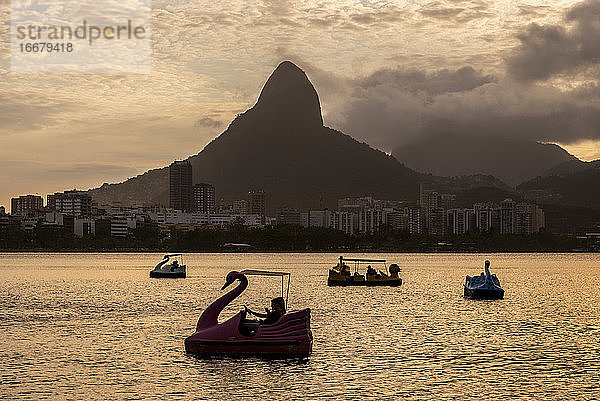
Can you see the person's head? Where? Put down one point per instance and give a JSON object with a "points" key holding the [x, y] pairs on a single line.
{"points": [[278, 304]]}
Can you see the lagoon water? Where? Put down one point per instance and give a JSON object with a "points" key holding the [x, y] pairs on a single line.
{"points": [[95, 326]]}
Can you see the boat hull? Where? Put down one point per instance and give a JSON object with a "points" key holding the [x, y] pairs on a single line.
{"points": [[289, 337], [483, 293], [160, 274], [365, 283], [264, 349]]}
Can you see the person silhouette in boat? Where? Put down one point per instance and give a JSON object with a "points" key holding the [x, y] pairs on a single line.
{"points": [[345, 270], [174, 265], [274, 314]]}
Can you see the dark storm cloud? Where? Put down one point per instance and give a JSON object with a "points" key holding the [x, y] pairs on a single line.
{"points": [[586, 17], [390, 107], [544, 51], [438, 82], [589, 93], [568, 123], [567, 48], [396, 105]]}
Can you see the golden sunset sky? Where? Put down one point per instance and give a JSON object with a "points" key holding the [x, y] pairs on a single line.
{"points": [[384, 71]]}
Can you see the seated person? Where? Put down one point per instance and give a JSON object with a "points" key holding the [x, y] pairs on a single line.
{"points": [[394, 270], [174, 265], [273, 315], [345, 270], [371, 271]]}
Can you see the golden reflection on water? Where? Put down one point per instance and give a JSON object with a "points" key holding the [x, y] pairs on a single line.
{"points": [[95, 326]]}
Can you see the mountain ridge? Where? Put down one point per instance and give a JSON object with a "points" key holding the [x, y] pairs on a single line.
{"points": [[513, 161], [281, 146], [578, 187]]}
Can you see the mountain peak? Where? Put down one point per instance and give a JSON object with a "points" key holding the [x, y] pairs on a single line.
{"points": [[281, 146], [287, 67], [290, 98]]}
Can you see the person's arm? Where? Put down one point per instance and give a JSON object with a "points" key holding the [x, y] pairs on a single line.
{"points": [[272, 317], [250, 311]]}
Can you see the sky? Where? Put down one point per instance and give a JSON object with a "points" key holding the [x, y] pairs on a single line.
{"points": [[387, 72]]}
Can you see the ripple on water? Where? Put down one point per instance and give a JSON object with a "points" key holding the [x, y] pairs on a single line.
{"points": [[94, 326]]}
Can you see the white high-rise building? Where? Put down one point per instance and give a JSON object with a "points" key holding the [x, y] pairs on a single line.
{"points": [[460, 221]]}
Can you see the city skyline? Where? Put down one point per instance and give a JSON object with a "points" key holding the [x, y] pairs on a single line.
{"points": [[434, 213], [392, 64]]}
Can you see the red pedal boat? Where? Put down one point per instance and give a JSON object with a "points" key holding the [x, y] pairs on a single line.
{"points": [[288, 337]]}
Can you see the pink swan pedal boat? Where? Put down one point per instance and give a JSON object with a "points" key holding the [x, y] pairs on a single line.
{"points": [[289, 337]]}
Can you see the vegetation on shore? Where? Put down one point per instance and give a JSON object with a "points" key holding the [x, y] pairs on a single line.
{"points": [[284, 239]]}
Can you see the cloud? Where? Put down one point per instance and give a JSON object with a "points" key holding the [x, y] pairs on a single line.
{"points": [[208, 122], [279, 8], [567, 48], [386, 15], [533, 11], [27, 110], [438, 82], [461, 11], [391, 107]]}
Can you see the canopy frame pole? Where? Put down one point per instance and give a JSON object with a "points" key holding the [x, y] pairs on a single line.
{"points": [[287, 295]]}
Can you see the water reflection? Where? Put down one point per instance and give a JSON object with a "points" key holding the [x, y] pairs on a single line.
{"points": [[95, 326]]}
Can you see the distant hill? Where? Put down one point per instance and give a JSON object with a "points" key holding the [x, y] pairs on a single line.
{"points": [[281, 146], [149, 188], [570, 167], [496, 195], [577, 188], [462, 183], [511, 160]]}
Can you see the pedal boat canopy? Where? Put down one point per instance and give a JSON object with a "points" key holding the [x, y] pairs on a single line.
{"points": [[283, 275]]}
